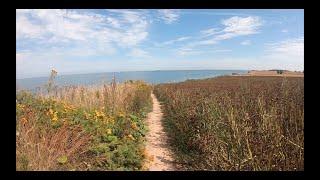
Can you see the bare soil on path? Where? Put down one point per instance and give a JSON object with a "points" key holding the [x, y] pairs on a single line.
{"points": [[158, 152]]}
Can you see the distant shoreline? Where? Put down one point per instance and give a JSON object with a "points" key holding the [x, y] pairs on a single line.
{"points": [[276, 73], [111, 72]]}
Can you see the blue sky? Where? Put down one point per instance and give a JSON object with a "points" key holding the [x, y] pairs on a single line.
{"points": [[89, 41]]}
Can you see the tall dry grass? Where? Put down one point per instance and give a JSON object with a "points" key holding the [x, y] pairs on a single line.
{"points": [[82, 127], [236, 123], [113, 97], [39, 147]]}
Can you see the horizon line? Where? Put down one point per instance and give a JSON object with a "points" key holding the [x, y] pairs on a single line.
{"points": [[42, 76]]}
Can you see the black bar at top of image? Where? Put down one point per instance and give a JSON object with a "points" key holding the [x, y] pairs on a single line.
{"points": [[173, 4]]}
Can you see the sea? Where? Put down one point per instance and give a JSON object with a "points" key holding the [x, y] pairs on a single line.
{"points": [[152, 77]]}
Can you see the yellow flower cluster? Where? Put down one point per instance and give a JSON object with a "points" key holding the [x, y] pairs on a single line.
{"points": [[68, 107], [122, 115], [131, 137], [99, 114], [54, 115], [20, 106], [109, 131], [111, 120]]}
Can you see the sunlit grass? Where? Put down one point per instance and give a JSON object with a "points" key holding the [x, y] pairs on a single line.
{"points": [[236, 123], [82, 127]]}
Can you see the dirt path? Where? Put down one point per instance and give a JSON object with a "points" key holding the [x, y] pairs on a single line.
{"points": [[160, 157]]}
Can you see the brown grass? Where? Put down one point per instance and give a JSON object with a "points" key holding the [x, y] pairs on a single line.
{"points": [[236, 123], [39, 146], [82, 127], [273, 73]]}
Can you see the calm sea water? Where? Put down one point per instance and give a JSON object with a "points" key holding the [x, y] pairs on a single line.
{"points": [[153, 77]]}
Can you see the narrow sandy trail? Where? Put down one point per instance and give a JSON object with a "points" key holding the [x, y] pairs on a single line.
{"points": [[160, 156]]}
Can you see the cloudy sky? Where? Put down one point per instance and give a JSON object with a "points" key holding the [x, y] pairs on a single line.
{"points": [[88, 41]]}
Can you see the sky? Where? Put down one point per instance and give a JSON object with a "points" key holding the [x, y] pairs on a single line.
{"points": [[109, 40]]}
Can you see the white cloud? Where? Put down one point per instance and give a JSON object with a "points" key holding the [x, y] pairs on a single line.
{"points": [[169, 15], [187, 52], [246, 42], [114, 22], [242, 26], [287, 54], [205, 42], [238, 26], [183, 38], [291, 47], [191, 51], [284, 30], [220, 50], [56, 36], [26, 29], [174, 41], [70, 41], [139, 53], [233, 27], [128, 28], [209, 32]]}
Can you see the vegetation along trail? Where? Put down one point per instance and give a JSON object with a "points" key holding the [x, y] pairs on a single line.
{"points": [[160, 156]]}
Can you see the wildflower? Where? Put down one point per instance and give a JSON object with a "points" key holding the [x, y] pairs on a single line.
{"points": [[55, 117], [131, 137], [21, 106], [51, 111], [111, 120], [99, 114], [68, 107], [109, 131], [121, 114], [62, 159], [134, 126], [96, 112]]}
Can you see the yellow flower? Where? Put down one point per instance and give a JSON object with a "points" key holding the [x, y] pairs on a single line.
{"points": [[121, 114], [68, 107], [134, 126], [55, 117], [109, 131], [111, 120], [99, 114], [20, 106], [51, 111], [131, 137], [96, 112]]}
